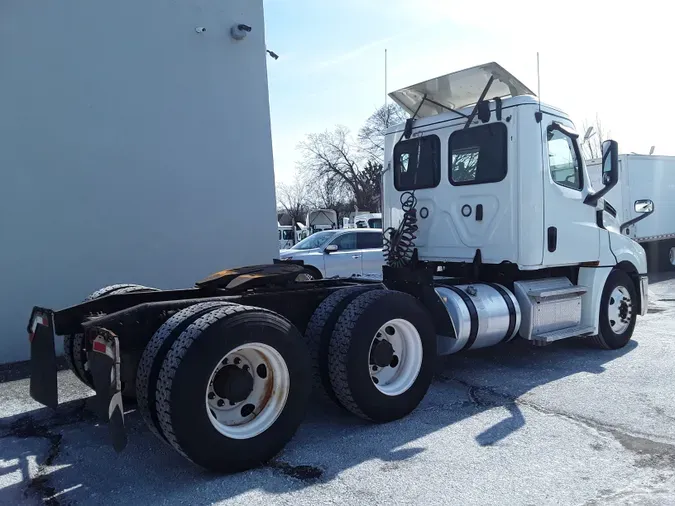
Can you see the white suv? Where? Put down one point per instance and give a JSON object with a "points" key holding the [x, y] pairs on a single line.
{"points": [[340, 252]]}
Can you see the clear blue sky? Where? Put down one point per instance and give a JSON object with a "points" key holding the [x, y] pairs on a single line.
{"points": [[612, 61]]}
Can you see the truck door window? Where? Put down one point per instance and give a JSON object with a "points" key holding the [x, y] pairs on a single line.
{"points": [[345, 241], [478, 155], [563, 160], [417, 163]]}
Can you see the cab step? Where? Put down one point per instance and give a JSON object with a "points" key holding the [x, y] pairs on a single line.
{"points": [[556, 335]]}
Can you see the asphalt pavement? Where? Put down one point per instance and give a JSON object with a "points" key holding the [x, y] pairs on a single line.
{"points": [[515, 424]]}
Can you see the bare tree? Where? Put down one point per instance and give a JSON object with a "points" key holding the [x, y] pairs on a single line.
{"points": [[371, 134], [339, 167], [332, 158], [294, 199], [594, 136]]}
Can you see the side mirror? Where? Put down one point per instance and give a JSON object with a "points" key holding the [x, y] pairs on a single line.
{"points": [[331, 248], [610, 171], [644, 207], [610, 163]]}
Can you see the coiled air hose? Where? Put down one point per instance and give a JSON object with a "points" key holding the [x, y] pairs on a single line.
{"points": [[399, 242]]}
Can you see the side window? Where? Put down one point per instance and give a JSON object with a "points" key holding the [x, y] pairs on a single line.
{"points": [[345, 241], [417, 163], [369, 240], [563, 161], [478, 155]]}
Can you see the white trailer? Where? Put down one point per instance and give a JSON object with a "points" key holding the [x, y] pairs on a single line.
{"points": [[321, 219], [482, 246], [645, 177]]}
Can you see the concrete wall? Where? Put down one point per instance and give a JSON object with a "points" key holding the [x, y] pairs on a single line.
{"points": [[127, 141]]}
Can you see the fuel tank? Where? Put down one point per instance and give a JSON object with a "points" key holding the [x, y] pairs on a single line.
{"points": [[482, 314]]}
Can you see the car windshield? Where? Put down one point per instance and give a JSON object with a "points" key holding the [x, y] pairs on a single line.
{"points": [[315, 240]]}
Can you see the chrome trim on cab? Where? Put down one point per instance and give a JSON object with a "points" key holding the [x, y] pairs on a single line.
{"points": [[644, 294]]}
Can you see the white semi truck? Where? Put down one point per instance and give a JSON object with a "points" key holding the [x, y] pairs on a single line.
{"points": [[494, 233], [645, 177]]}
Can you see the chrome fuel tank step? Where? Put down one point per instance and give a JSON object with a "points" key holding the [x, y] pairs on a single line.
{"points": [[482, 314]]}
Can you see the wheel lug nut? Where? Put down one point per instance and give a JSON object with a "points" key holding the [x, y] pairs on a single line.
{"points": [[212, 395], [232, 403], [374, 368], [221, 403], [245, 368], [237, 361]]}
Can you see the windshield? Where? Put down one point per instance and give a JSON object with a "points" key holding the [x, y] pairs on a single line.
{"points": [[315, 240]]}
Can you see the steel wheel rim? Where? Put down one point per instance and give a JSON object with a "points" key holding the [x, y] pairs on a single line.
{"points": [[268, 395], [671, 256], [397, 377], [619, 309]]}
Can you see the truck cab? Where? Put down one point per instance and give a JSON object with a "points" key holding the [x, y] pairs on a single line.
{"points": [[500, 183]]}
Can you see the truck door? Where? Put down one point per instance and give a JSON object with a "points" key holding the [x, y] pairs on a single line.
{"points": [[571, 233]]}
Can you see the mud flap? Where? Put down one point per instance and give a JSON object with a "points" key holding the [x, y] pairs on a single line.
{"points": [[104, 365], [43, 387]]}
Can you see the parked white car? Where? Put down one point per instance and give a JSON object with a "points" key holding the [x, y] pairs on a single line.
{"points": [[343, 252]]}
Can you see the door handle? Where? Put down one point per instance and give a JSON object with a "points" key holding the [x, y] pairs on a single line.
{"points": [[356, 256]]}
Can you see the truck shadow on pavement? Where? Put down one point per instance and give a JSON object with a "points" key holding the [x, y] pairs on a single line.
{"points": [[65, 457]]}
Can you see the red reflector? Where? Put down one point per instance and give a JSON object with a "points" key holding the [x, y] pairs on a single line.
{"points": [[100, 347]]}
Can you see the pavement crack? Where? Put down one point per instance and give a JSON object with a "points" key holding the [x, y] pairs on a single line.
{"points": [[650, 452], [301, 472]]}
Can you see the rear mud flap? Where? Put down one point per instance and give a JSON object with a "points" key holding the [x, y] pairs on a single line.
{"points": [[43, 387], [104, 365]]}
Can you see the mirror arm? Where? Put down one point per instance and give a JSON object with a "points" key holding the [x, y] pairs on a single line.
{"points": [[634, 221], [592, 198]]}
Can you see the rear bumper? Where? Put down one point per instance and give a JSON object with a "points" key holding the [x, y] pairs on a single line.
{"points": [[644, 294]]}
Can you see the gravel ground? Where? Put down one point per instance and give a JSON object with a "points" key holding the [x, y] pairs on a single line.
{"points": [[565, 424]]}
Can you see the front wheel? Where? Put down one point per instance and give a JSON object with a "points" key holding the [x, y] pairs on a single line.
{"points": [[618, 312]]}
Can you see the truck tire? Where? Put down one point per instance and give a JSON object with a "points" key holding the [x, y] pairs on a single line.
{"points": [[381, 355], [618, 313], [153, 358], [73, 345], [319, 330], [233, 388]]}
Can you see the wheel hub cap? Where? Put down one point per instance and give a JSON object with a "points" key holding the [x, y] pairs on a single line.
{"points": [[382, 353], [620, 310], [233, 383], [247, 390], [395, 358]]}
